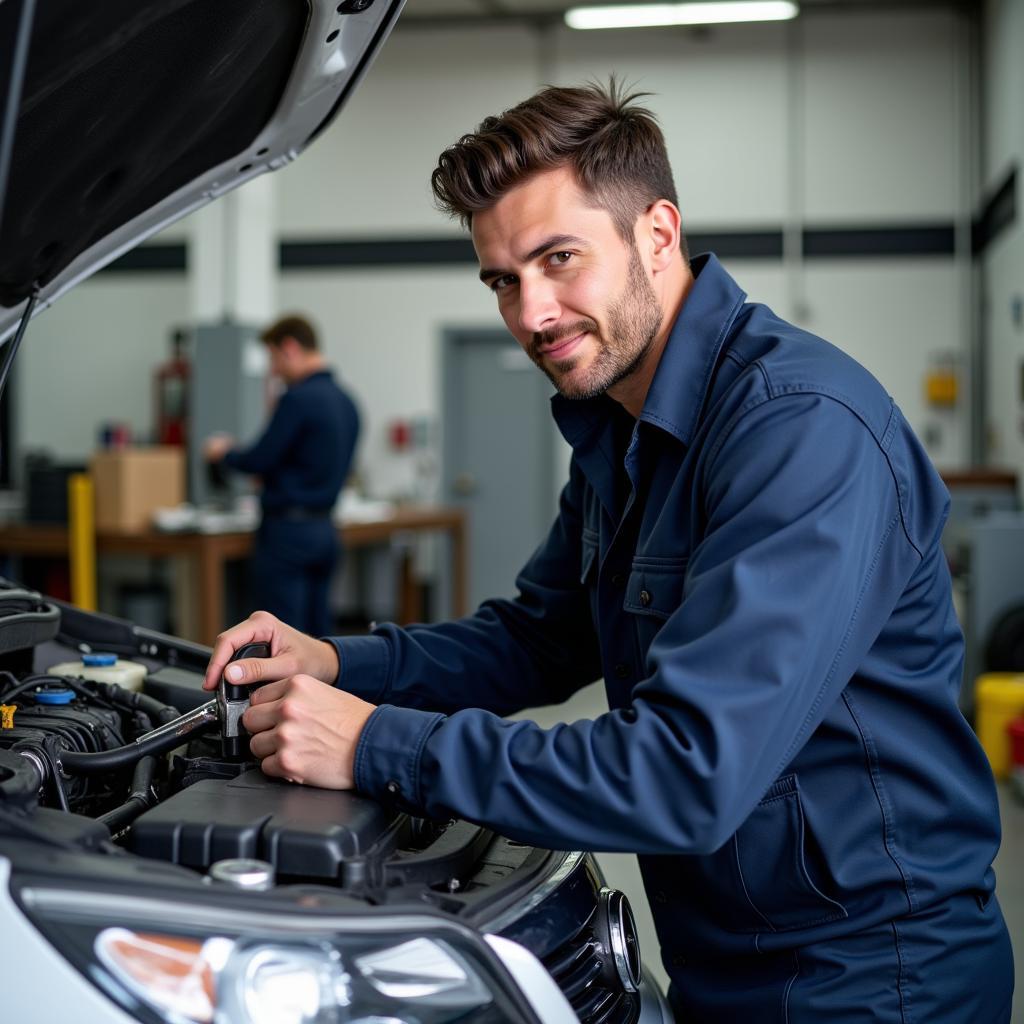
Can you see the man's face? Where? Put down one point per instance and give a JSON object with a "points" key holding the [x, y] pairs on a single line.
{"points": [[572, 292], [282, 358], [276, 359]]}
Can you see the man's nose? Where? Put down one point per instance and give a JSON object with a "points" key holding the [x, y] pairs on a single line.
{"points": [[538, 306]]}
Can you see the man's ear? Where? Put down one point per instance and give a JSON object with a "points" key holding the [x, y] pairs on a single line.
{"points": [[664, 231]]}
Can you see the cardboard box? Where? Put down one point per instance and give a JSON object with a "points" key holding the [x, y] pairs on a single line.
{"points": [[131, 483]]}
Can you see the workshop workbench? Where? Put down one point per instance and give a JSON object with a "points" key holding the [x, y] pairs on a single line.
{"points": [[208, 553]]}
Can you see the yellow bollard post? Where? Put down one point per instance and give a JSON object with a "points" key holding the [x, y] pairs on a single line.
{"points": [[82, 541]]}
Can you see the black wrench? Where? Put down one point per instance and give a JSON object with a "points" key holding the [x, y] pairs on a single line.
{"points": [[232, 702]]}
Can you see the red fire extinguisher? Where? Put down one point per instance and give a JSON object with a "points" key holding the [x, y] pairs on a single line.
{"points": [[172, 388]]}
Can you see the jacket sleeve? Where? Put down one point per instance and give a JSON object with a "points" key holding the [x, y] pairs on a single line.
{"points": [[802, 558], [271, 449], [511, 654]]}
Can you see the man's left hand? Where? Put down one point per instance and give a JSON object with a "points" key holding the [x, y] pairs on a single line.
{"points": [[306, 731]]}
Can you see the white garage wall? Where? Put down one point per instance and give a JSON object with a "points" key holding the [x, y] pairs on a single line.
{"points": [[369, 175], [1004, 261], [89, 359], [893, 317], [837, 120], [882, 138]]}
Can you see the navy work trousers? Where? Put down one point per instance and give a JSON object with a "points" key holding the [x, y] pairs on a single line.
{"points": [[291, 567]]}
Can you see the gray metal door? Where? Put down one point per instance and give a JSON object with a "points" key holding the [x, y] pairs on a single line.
{"points": [[499, 448]]}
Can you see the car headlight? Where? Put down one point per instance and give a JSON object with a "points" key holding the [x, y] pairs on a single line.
{"points": [[203, 965], [263, 982]]}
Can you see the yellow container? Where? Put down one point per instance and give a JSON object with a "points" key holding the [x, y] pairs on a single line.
{"points": [[999, 698]]}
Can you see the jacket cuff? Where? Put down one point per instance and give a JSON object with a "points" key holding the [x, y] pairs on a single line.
{"points": [[387, 761], [364, 666]]}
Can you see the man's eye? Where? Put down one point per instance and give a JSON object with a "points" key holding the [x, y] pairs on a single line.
{"points": [[560, 257], [501, 283]]}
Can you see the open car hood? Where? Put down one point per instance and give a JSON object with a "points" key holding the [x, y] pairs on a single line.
{"points": [[129, 114]]}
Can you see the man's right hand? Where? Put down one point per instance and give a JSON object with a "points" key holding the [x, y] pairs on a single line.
{"points": [[291, 653], [216, 446]]}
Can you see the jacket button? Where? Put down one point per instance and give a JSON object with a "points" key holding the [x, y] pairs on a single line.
{"points": [[622, 670], [393, 788], [619, 579], [678, 960], [660, 897], [645, 598]]}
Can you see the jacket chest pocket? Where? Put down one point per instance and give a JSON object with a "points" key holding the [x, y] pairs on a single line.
{"points": [[653, 592]]}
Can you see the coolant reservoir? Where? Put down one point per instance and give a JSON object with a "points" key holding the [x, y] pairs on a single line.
{"points": [[104, 668]]}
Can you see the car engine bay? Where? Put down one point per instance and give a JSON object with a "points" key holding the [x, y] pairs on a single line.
{"points": [[194, 797], [104, 788]]}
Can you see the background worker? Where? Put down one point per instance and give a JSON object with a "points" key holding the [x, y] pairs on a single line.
{"points": [[302, 459], [748, 551]]}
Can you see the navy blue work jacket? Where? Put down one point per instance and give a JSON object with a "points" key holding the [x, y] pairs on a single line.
{"points": [[305, 452], [754, 568]]}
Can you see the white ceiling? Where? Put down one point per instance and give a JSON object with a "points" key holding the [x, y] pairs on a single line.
{"points": [[482, 11]]}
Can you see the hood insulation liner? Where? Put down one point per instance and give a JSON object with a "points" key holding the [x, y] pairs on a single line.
{"points": [[123, 103]]}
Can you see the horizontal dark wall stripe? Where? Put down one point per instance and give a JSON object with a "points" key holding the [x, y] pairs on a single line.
{"points": [[919, 240], [149, 258], [737, 244], [381, 252], [926, 240]]}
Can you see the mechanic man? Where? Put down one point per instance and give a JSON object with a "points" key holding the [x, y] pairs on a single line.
{"points": [[747, 550], [303, 459]]}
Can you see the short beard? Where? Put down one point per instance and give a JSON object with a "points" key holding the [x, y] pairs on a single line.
{"points": [[634, 320]]}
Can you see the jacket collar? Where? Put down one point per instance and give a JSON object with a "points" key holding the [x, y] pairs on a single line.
{"points": [[681, 381], [324, 372], [677, 392]]}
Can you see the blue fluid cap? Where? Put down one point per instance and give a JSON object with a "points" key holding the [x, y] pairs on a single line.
{"points": [[99, 660], [54, 695]]}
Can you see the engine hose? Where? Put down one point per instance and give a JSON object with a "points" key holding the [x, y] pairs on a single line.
{"points": [[135, 701], [109, 694], [159, 741], [42, 759], [139, 799]]}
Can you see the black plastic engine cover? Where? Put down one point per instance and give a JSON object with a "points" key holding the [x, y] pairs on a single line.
{"points": [[301, 830]]}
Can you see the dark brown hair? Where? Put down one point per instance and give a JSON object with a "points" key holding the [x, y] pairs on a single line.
{"points": [[616, 150], [297, 327]]}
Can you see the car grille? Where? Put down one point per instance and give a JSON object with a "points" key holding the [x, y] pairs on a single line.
{"points": [[579, 966]]}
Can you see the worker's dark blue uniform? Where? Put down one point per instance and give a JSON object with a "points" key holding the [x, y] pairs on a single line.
{"points": [[755, 568], [303, 458]]}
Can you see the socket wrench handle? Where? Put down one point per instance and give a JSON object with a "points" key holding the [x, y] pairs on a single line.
{"points": [[232, 702]]}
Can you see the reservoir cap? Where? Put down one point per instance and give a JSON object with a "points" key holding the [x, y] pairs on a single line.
{"points": [[99, 660], [54, 695]]}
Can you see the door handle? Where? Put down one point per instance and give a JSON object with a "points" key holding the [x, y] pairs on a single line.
{"points": [[464, 484]]}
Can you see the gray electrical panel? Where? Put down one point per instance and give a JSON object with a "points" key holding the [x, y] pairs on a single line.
{"points": [[229, 396]]}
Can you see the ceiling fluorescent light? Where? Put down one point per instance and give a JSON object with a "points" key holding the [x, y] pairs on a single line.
{"points": [[650, 15]]}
